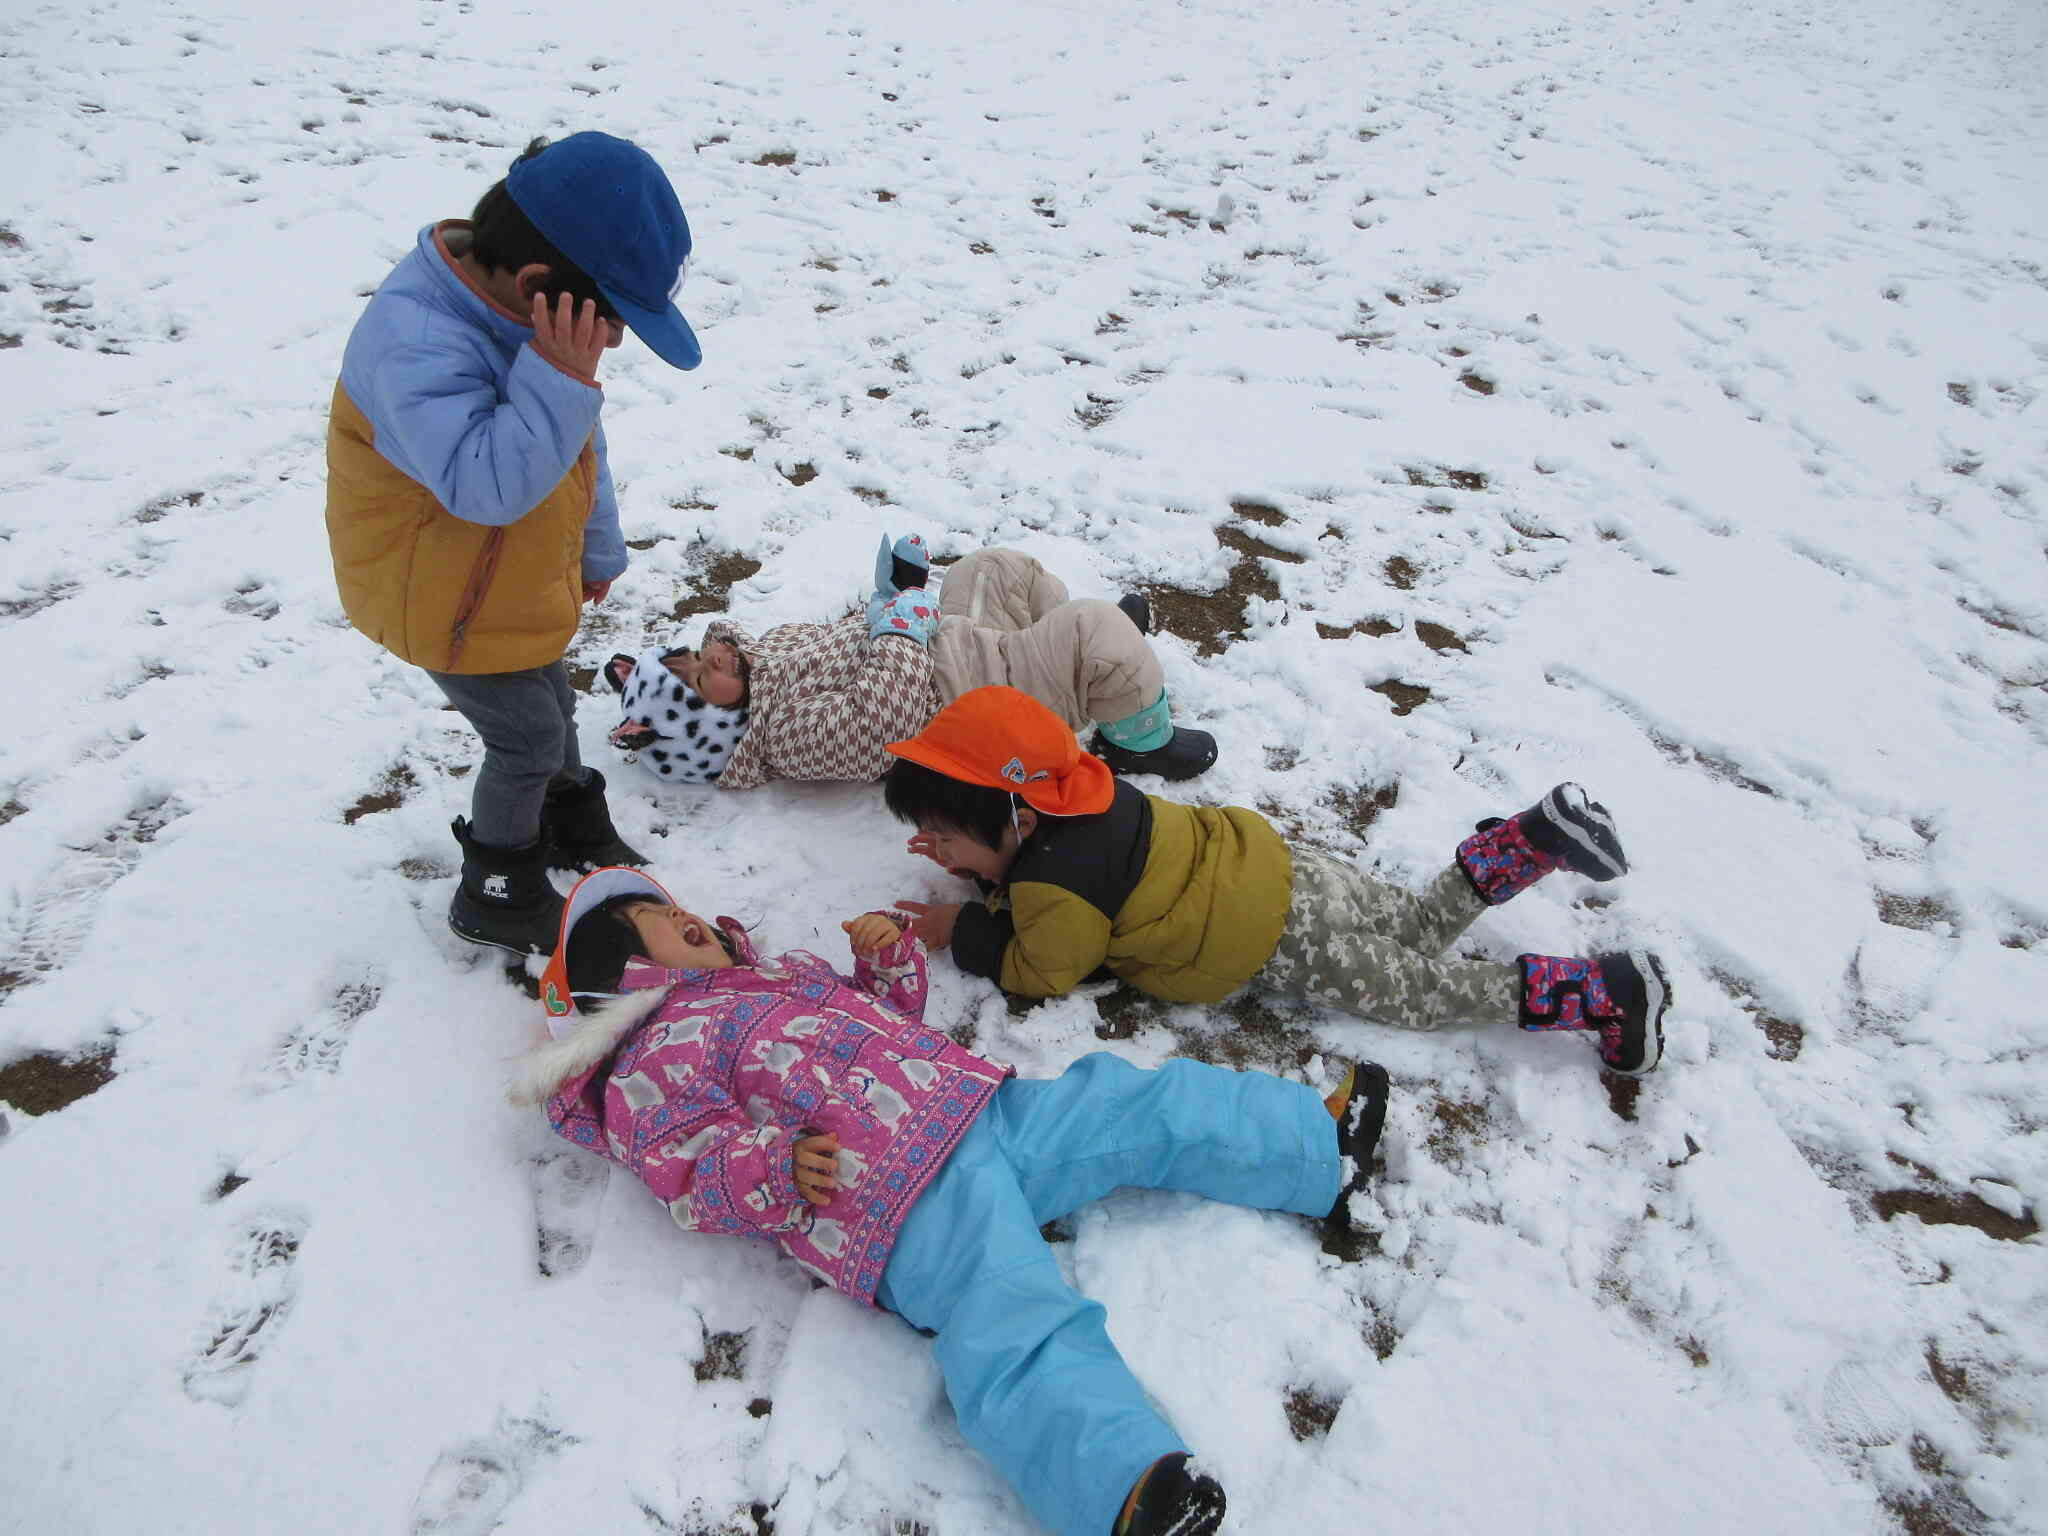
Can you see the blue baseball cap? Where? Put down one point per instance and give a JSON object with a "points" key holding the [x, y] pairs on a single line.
{"points": [[603, 203]]}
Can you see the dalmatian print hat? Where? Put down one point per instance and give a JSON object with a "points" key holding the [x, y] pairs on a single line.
{"points": [[670, 729]]}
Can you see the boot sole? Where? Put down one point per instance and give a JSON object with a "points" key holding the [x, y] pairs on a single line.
{"points": [[1121, 762], [482, 942], [1585, 825], [1655, 998], [1368, 1103]]}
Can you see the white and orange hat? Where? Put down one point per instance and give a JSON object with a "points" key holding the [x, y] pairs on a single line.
{"points": [[1003, 738], [595, 888]]}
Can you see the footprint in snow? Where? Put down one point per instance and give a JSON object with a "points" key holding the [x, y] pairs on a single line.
{"points": [[568, 1189], [471, 1484], [314, 1047], [261, 1287]]}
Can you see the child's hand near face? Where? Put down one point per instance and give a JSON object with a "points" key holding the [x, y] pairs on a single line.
{"points": [[571, 335], [932, 921], [870, 933], [817, 1168], [928, 845]]}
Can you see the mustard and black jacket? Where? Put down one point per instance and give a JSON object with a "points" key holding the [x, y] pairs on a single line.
{"points": [[1183, 902], [468, 496]]}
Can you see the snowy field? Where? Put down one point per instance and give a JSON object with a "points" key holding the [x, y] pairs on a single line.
{"points": [[1648, 394]]}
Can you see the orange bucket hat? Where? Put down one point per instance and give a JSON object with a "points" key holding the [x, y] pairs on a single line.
{"points": [[1005, 739]]}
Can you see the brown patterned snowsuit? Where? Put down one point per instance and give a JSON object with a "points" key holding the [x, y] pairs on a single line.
{"points": [[825, 699]]}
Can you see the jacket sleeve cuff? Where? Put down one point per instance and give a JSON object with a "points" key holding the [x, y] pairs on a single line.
{"points": [[782, 1173], [979, 939], [565, 371]]}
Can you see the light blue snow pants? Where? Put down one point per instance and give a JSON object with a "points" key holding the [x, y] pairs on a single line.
{"points": [[1034, 1380]]}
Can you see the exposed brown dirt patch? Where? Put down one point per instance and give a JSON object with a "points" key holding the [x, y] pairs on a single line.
{"points": [[1358, 807], [710, 585], [1406, 697], [1622, 1093], [1955, 1208], [1924, 913], [724, 1357], [389, 795], [1374, 627], [1310, 1413], [45, 1082], [1456, 1124]]}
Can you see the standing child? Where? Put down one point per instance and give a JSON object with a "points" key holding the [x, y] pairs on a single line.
{"points": [[1189, 903], [779, 1099], [469, 498]]}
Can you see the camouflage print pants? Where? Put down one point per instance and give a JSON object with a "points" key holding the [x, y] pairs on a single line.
{"points": [[1371, 949]]}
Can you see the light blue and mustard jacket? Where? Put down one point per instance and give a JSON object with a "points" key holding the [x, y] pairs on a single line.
{"points": [[468, 495]]}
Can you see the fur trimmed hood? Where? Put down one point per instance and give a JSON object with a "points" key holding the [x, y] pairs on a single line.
{"points": [[545, 1068]]}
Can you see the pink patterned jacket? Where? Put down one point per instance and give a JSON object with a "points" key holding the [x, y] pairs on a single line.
{"points": [[706, 1099]]}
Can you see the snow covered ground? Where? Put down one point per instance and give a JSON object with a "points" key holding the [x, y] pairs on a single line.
{"points": [[1642, 393]]}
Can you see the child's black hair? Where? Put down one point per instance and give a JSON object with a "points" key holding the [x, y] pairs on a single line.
{"points": [[504, 239], [928, 800], [602, 942]]}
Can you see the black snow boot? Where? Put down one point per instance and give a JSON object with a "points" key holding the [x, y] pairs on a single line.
{"points": [[1138, 610], [1174, 1501], [504, 898], [576, 826], [1358, 1136], [1186, 754]]}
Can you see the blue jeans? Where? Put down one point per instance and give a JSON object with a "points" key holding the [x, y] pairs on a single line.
{"points": [[1034, 1380]]}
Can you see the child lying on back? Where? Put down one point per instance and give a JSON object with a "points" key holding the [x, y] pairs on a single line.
{"points": [[777, 1098]]}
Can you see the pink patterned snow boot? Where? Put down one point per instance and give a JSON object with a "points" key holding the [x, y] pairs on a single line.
{"points": [[1563, 830], [1623, 996]]}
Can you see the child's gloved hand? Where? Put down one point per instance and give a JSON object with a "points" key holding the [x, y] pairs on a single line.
{"points": [[909, 615], [817, 1168], [900, 564], [870, 933]]}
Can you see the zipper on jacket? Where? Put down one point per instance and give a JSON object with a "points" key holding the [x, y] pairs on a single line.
{"points": [[480, 575]]}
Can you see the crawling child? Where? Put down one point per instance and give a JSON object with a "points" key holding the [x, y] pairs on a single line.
{"points": [[779, 1099], [1189, 903]]}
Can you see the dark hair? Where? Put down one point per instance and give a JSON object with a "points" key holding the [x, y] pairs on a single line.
{"points": [[602, 941], [927, 799], [504, 239]]}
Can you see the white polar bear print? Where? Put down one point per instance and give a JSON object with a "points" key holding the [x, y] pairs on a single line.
{"points": [[686, 1031], [828, 1237], [639, 1091], [803, 1027], [693, 1147], [758, 1198], [759, 1110], [884, 1102], [922, 1073], [679, 1072], [776, 1056], [852, 1168]]}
